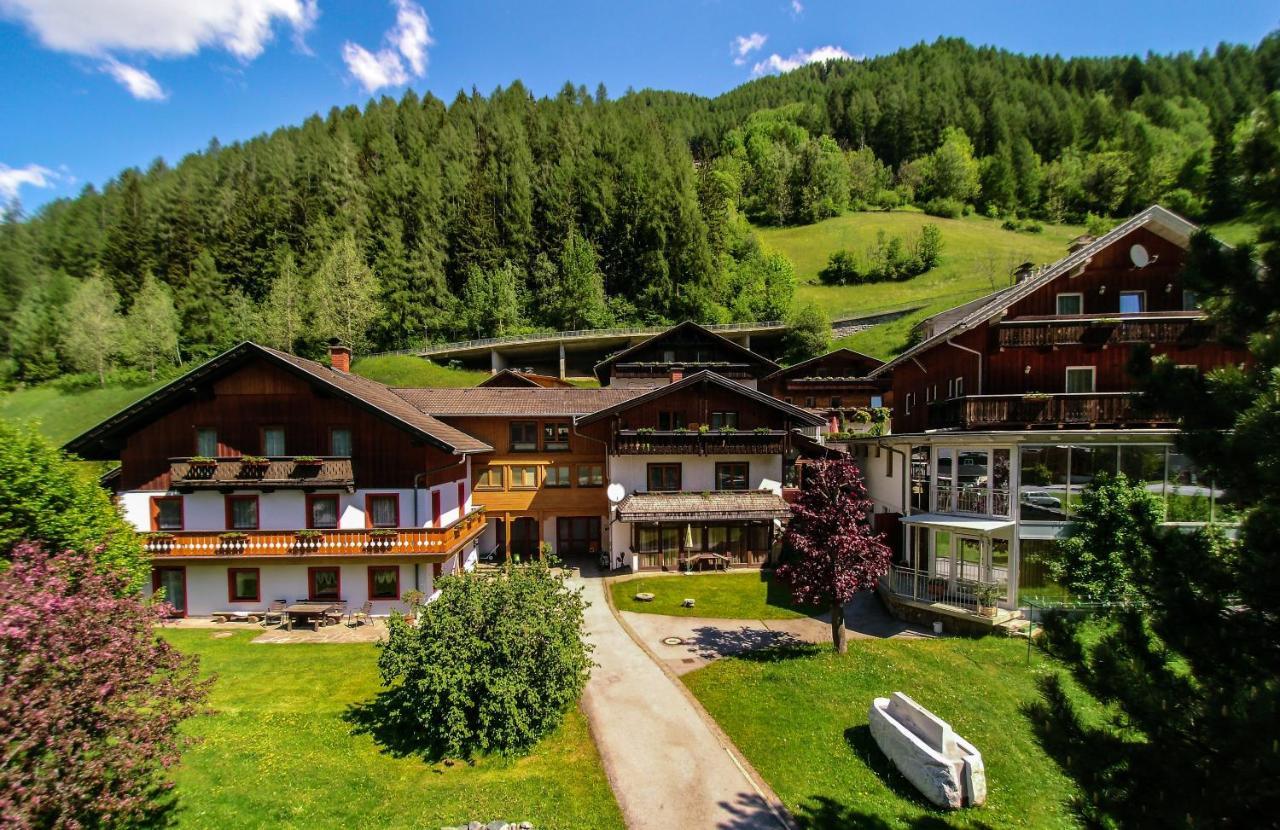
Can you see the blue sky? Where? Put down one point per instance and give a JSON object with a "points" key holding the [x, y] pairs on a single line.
{"points": [[99, 85]]}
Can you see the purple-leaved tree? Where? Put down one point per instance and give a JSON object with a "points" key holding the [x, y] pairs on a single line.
{"points": [[90, 699], [836, 553]]}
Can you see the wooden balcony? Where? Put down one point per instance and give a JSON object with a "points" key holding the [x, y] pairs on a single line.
{"points": [[284, 472], [692, 442], [403, 541], [1182, 328], [1088, 409]]}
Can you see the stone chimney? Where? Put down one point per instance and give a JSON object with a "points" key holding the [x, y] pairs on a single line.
{"points": [[677, 373], [339, 355], [1023, 272]]}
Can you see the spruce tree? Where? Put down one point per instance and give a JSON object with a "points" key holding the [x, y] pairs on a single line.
{"points": [[284, 315], [150, 334], [346, 294]]}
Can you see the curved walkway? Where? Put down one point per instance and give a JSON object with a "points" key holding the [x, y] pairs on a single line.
{"points": [[667, 761]]}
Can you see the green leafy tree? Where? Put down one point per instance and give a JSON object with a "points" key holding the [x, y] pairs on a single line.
{"points": [[492, 666], [213, 314], [345, 293], [490, 302], [150, 334], [92, 337], [284, 315], [44, 496], [951, 171], [808, 333], [37, 331], [1113, 534]]}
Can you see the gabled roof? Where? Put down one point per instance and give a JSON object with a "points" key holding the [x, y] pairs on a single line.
{"points": [[747, 355], [790, 371], [367, 394], [512, 378], [1157, 219], [803, 416], [505, 401]]}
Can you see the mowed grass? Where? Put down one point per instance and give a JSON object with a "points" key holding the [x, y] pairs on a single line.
{"points": [[63, 415], [801, 719], [407, 370], [277, 752], [978, 257], [741, 595]]}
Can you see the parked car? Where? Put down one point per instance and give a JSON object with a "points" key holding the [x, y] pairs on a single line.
{"points": [[1039, 498]]}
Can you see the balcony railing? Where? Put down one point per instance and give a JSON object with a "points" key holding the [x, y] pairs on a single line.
{"points": [[400, 541], [979, 500], [962, 594], [692, 442], [1183, 328], [1086, 409], [305, 471]]}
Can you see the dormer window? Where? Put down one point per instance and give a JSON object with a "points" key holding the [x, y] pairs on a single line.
{"points": [[1070, 304]]}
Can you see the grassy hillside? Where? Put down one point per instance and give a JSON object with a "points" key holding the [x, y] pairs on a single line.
{"points": [[64, 415], [977, 257]]}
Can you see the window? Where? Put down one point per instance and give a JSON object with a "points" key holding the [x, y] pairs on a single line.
{"points": [[1070, 304], [720, 420], [951, 388], [340, 442], [382, 510], [557, 475], [242, 512], [836, 402], [811, 402], [590, 475], [960, 387], [663, 477], [273, 441], [490, 478], [1190, 300], [877, 401], [524, 436], [524, 476], [322, 511], [911, 398], [668, 421], [324, 583], [1080, 378], [555, 437], [888, 464], [243, 585], [207, 442], [166, 513], [1133, 302], [732, 475], [384, 582]]}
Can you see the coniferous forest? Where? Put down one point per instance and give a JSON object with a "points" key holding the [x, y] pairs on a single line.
{"points": [[418, 219]]}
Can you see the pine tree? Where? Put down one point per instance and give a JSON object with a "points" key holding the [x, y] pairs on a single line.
{"points": [[284, 314], [150, 332], [91, 339], [576, 300], [346, 294], [35, 337]]}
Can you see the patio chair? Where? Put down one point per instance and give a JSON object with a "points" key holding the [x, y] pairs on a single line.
{"points": [[364, 614], [274, 613]]}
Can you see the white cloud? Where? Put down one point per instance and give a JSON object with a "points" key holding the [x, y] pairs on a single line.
{"points": [[744, 45], [407, 40], [13, 179], [777, 63], [165, 28], [796, 7], [138, 81]]}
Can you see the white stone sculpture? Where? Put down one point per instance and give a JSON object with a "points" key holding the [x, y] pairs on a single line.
{"points": [[946, 768]]}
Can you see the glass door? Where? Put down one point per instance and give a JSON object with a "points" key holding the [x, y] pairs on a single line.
{"points": [[174, 583], [670, 540], [969, 559], [578, 535]]}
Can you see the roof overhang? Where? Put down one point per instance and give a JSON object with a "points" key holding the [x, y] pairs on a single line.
{"points": [[751, 505], [600, 368], [802, 416], [962, 524]]}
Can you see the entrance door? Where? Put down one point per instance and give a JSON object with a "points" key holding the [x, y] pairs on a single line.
{"points": [[524, 537], [174, 582], [969, 559], [578, 535]]}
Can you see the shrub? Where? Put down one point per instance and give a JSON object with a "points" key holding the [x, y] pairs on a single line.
{"points": [[1096, 225], [841, 269], [1112, 535], [946, 208], [492, 665], [43, 496], [90, 698]]}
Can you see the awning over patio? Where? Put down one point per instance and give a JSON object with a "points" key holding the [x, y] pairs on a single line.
{"points": [[980, 525], [702, 507]]}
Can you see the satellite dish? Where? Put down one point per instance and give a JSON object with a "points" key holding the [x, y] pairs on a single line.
{"points": [[616, 492], [1139, 256]]}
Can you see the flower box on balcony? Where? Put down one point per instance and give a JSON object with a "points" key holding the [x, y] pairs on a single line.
{"points": [[233, 541], [159, 540], [309, 461], [253, 465], [201, 466]]}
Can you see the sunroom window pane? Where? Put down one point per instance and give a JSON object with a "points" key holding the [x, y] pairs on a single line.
{"points": [[1042, 494]]}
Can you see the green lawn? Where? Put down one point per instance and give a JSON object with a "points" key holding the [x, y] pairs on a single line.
{"points": [[64, 415], [278, 752], [977, 258], [407, 370], [741, 595], [804, 727]]}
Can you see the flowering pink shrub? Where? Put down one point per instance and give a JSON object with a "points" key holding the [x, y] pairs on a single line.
{"points": [[836, 553], [90, 699]]}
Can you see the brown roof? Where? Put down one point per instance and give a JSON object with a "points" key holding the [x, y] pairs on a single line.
{"points": [[804, 416], [601, 368], [280, 472], [500, 401], [511, 377], [847, 354], [679, 507]]}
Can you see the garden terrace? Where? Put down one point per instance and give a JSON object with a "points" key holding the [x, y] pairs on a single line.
{"points": [[1166, 328], [404, 541], [692, 442], [1042, 410], [269, 473]]}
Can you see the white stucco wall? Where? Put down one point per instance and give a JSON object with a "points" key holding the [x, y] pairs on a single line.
{"points": [[885, 490]]}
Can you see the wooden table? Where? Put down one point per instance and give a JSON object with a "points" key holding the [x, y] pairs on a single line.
{"points": [[306, 611]]}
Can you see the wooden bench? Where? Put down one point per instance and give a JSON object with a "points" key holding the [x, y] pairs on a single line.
{"points": [[242, 616]]}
